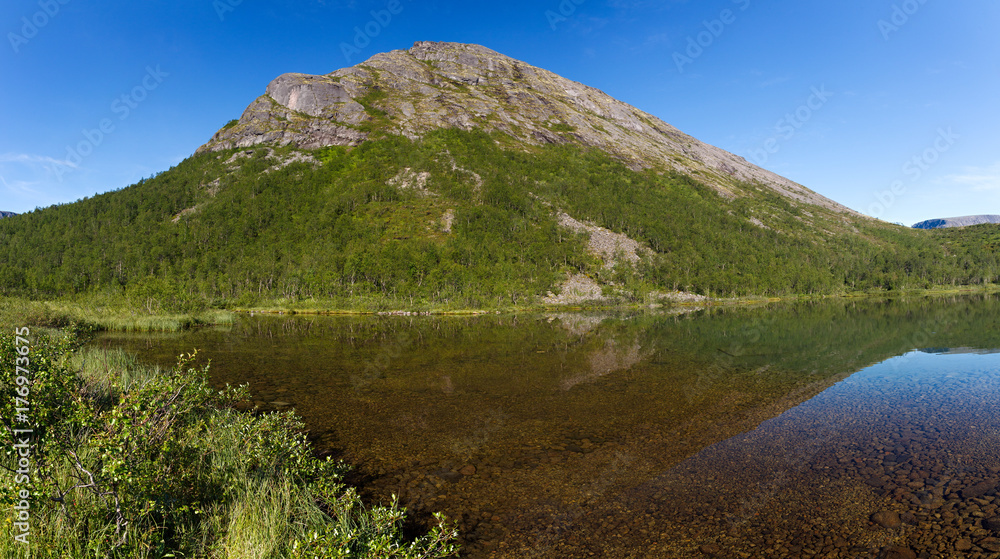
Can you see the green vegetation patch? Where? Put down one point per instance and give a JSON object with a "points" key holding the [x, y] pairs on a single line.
{"points": [[131, 462], [560, 127]]}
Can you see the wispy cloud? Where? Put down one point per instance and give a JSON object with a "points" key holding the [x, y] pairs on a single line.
{"points": [[586, 25], [19, 187], [30, 159], [29, 177], [657, 40], [979, 179], [773, 81]]}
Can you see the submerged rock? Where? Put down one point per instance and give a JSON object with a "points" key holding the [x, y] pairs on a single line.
{"points": [[899, 552], [711, 549], [887, 519], [978, 490]]}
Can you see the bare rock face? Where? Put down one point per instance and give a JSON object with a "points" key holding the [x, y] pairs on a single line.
{"points": [[7, 214], [312, 95], [452, 85], [267, 122]]}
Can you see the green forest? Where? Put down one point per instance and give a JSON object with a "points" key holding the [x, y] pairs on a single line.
{"points": [[352, 228]]}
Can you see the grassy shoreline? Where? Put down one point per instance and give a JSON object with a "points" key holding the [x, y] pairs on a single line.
{"points": [[316, 308], [100, 315]]}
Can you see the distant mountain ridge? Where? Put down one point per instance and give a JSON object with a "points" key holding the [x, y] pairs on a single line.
{"points": [[7, 214], [957, 221]]}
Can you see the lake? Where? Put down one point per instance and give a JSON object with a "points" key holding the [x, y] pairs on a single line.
{"points": [[842, 428]]}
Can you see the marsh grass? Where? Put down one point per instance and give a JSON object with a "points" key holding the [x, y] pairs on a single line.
{"points": [[96, 314], [108, 373]]}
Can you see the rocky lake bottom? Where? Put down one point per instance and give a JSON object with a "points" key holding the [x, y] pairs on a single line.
{"points": [[842, 429]]}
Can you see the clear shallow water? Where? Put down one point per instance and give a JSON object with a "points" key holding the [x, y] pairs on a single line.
{"points": [[756, 433]]}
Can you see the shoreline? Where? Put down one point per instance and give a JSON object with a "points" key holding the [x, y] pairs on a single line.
{"points": [[97, 314], [603, 306]]}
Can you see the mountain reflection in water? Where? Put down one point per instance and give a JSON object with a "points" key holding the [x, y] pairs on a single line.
{"points": [[765, 432]]}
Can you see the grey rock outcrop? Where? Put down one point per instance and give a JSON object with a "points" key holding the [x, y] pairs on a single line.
{"points": [[7, 214], [452, 85], [957, 221], [312, 95]]}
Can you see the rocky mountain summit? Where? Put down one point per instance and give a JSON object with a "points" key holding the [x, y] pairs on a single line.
{"points": [[451, 85], [7, 214], [957, 221]]}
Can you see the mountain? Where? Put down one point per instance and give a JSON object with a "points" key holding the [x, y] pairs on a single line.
{"points": [[452, 85], [6, 214], [957, 221], [450, 176]]}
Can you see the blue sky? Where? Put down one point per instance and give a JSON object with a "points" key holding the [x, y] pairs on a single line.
{"points": [[887, 106]]}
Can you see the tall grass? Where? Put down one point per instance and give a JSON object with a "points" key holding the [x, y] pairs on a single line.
{"points": [[264, 516], [106, 373]]}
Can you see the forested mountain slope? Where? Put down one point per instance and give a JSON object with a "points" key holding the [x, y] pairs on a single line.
{"points": [[451, 176], [451, 219]]}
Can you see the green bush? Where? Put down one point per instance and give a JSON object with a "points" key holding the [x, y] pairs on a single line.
{"points": [[128, 461]]}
